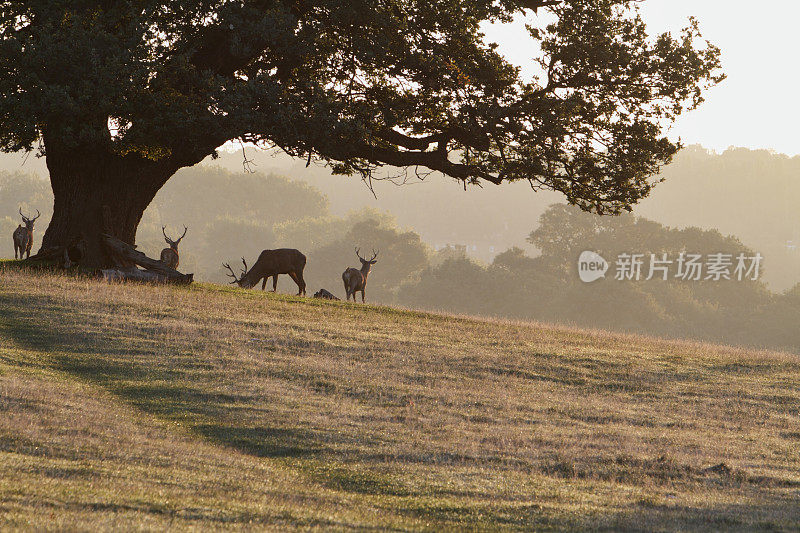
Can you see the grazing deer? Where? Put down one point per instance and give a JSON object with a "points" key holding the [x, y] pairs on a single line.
{"points": [[169, 256], [271, 263], [23, 235], [355, 280]]}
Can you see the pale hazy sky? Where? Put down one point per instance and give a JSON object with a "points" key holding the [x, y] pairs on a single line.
{"points": [[758, 106]]}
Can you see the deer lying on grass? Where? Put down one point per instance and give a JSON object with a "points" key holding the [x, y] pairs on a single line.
{"points": [[23, 235], [325, 295], [170, 256], [356, 280], [271, 263]]}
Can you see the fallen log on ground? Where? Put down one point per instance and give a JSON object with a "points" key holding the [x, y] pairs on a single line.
{"points": [[136, 274], [127, 257], [124, 258]]}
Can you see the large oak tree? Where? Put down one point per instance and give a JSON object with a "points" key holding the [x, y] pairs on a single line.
{"points": [[120, 94]]}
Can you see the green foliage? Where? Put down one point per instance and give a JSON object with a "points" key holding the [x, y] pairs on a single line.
{"points": [[157, 85]]}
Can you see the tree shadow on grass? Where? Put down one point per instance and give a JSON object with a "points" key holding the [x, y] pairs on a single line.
{"points": [[261, 441], [43, 325], [28, 330], [779, 514], [162, 392], [209, 414]]}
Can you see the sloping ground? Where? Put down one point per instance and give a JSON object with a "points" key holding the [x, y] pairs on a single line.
{"points": [[142, 407]]}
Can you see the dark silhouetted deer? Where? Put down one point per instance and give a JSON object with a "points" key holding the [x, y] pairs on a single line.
{"points": [[23, 235], [355, 280], [170, 256], [272, 263], [325, 295]]}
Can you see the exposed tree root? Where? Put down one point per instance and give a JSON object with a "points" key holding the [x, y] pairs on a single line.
{"points": [[125, 259]]}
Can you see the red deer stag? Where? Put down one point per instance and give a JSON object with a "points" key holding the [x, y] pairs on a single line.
{"points": [[170, 256], [271, 263], [23, 235], [355, 280]]}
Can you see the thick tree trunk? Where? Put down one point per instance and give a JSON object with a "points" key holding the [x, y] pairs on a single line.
{"points": [[97, 193], [100, 192]]}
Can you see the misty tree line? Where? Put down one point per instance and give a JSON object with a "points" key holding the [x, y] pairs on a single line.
{"points": [[232, 215], [547, 287]]}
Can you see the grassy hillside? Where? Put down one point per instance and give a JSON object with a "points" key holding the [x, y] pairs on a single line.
{"points": [[142, 407]]}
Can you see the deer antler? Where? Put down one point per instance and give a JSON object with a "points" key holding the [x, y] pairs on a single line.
{"points": [[38, 214], [185, 229], [163, 230], [232, 274], [245, 267], [374, 254], [24, 218], [358, 254]]}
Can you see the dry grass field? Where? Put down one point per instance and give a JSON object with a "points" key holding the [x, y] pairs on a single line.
{"points": [[138, 407]]}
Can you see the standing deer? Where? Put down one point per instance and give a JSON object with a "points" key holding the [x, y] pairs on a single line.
{"points": [[271, 263], [169, 256], [355, 280], [23, 235]]}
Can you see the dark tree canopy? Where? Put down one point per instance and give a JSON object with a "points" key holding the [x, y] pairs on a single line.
{"points": [[120, 94]]}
